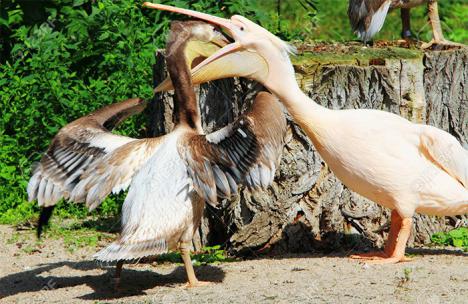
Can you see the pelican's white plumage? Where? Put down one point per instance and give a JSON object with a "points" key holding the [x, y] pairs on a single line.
{"points": [[159, 207], [401, 165], [114, 172]]}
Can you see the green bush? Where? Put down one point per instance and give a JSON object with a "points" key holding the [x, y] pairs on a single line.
{"points": [[457, 237], [61, 69]]}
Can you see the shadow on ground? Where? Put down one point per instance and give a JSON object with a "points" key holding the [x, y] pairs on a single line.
{"points": [[133, 282], [437, 251], [334, 244]]}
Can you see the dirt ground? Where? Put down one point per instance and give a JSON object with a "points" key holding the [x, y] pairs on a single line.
{"points": [[54, 275]]}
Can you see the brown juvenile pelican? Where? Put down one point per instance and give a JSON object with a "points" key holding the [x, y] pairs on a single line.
{"points": [[367, 18], [171, 177], [398, 164]]}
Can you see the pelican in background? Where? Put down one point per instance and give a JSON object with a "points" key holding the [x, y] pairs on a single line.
{"points": [[398, 164], [171, 177], [367, 18]]}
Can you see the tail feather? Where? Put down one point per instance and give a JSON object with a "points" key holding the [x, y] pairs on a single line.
{"points": [[119, 251]]}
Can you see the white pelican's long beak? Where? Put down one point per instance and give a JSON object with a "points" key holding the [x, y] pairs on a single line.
{"points": [[225, 23], [230, 61]]}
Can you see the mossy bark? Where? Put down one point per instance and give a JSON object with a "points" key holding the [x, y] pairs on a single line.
{"points": [[307, 208]]}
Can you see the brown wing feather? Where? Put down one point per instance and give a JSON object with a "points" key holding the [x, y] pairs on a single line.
{"points": [[75, 147], [246, 151]]}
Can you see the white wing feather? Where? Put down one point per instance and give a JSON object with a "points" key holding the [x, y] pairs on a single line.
{"points": [[447, 152], [75, 147], [58, 176], [114, 172]]}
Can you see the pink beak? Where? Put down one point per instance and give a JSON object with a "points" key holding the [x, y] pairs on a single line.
{"points": [[224, 23]]}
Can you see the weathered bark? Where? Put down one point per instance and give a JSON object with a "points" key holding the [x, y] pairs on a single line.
{"points": [[307, 208]]}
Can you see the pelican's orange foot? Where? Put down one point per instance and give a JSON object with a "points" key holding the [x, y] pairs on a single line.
{"points": [[389, 260], [441, 45], [374, 255], [379, 257], [197, 284]]}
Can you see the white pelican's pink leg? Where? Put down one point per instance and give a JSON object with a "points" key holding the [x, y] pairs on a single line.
{"points": [[394, 250]]}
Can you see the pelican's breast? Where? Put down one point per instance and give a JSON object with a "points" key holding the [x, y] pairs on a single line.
{"points": [[159, 202], [373, 153]]}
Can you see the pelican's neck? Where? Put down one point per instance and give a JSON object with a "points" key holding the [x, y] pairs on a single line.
{"points": [[186, 112], [313, 118]]}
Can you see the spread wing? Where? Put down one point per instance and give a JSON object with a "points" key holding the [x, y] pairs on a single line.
{"points": [[77, 146], [114, 172], [367, 17], [246, 151], [446, 152]]}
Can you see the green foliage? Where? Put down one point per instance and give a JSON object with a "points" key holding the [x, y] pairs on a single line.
{"points": [[60, 70], [208, 255], [456, 25], [457, 237]]}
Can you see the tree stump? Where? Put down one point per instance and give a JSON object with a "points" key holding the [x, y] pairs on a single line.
{"points": [[307, 208]]}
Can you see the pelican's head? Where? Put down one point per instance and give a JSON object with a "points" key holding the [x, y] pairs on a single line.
{"points": [[199, 30], [197, 39], [255, 53]]}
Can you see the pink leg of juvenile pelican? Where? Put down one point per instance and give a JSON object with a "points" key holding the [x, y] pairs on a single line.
{"points": [[192, 279], [394, 251]]}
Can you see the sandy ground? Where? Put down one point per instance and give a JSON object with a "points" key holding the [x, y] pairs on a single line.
{"points": [[54, 275]]}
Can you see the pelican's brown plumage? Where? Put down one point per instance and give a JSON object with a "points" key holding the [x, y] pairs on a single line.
{"points": [[367, 18], [171, 177], [76, 147], [170, 180]]}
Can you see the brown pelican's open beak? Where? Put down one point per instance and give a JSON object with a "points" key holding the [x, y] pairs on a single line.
{"points": [[195, 53], [231, 60]]}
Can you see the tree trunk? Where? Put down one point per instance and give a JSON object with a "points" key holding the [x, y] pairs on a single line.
{"points": [[307, 208]]}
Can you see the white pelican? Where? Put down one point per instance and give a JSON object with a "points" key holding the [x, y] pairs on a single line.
{"points": [[171, 177], [367, 18], [398, 164]]}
